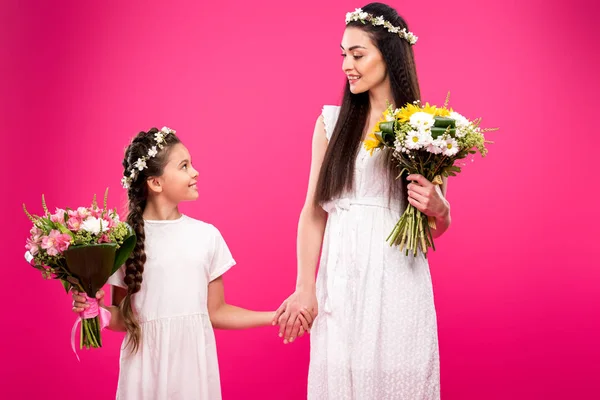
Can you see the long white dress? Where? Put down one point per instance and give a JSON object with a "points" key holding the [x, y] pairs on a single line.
{"points": [[375, 337], [177, 358]]}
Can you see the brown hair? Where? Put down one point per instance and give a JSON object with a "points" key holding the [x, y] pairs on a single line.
{"points": [[337, 171], [137, 195]]}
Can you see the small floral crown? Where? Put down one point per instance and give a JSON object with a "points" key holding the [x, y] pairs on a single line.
{"points": [[140, 164], [364, 17]]}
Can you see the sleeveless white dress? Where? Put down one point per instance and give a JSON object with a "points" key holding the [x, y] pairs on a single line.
{"points": [[375, 337]]}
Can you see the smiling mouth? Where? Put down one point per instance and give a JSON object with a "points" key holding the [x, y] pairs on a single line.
{"points": [[353, 78]]}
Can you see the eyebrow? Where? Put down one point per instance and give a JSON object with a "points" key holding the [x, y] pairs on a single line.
{"points": [[353, 47], [184, 161]]}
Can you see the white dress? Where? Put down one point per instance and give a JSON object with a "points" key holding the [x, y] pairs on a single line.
{"points": [[375, 337], [177, 358]]}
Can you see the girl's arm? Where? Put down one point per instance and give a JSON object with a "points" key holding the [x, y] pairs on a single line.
{"points": [[226, 316]]}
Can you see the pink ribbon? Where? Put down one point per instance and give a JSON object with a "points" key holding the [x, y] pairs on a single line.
{"points": [[91, 312]]}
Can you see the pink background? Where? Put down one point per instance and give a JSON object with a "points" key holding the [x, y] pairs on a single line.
{"points": [[516, 278]]}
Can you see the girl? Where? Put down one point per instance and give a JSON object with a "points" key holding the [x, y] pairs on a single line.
{"points": [[375, 337], [170, 294]]}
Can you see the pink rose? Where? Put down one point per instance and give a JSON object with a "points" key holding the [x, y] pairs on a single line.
{"points": [[74, 221], [104, 239], [59, 216], [36, 233], [114, 219], [32, 246], [96, 212], [56, 242], [83, 213]]}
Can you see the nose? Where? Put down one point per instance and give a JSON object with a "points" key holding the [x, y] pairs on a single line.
{"points": [[347, 64], [194, 172]]}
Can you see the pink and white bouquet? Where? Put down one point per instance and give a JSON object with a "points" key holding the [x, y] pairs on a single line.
{"points": [[82, 248]]}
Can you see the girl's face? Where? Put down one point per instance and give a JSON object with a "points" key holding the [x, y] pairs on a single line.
{"points": [[363, 63], [179, 179]]}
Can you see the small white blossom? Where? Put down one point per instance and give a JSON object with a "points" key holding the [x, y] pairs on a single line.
{"points": [[362, 16], [152, 152], [125, 183], [140, 164]]}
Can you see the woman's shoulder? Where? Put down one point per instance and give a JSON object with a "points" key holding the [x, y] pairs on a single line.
{"points": [[330, 115]]}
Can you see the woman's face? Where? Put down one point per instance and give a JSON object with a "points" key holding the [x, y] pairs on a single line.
{"points": [[363, 63]]}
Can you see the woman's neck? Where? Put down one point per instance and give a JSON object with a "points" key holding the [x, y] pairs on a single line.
{"points": [[379, 98]]}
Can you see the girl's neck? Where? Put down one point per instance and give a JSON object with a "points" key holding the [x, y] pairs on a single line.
{"points": [[155, 211]]}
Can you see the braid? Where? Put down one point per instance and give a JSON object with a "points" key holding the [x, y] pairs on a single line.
{"points": [[137, 194], [134, 268]]}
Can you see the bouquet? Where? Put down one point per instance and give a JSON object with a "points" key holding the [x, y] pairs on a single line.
{"points": [[426, 140], [82, 248]]}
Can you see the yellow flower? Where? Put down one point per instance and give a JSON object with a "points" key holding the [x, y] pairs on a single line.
{"points": [[372, 142], [405, 113]]}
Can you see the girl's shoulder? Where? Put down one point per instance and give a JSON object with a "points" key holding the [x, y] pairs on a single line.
{"points": [[201, 227]]}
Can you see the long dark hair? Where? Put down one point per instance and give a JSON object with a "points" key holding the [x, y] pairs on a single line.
{"points": [[137, 195], [337, 169]]}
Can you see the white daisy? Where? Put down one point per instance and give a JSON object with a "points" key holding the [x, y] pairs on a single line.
{"points": [[461, 124], [451, 147], [421, 120], [436, 146], [413, 140]]}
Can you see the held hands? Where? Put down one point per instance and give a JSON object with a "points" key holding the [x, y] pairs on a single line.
{"points": [[296, 315], [427, 197]]}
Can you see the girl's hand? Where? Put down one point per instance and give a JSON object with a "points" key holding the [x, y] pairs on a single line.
{"points": [[296, 312], [80, 302]]}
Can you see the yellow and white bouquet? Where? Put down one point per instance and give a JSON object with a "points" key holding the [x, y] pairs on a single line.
{"points": [[426, 140]]}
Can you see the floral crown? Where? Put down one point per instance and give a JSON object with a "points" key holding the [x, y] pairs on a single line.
{"points": [[364, 17], [140, 164]]}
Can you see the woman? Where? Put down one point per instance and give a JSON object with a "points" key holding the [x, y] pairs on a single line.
{"points": [[376, 334]]}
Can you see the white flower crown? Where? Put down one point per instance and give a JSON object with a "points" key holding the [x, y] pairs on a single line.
{"points": [[364, 17], [140, 164]]}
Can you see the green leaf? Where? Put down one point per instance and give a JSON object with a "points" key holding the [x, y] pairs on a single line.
{"points": [[125, 250], [388, 138], [386, 127], [63, 229], [91, 265], [66, 285]]}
